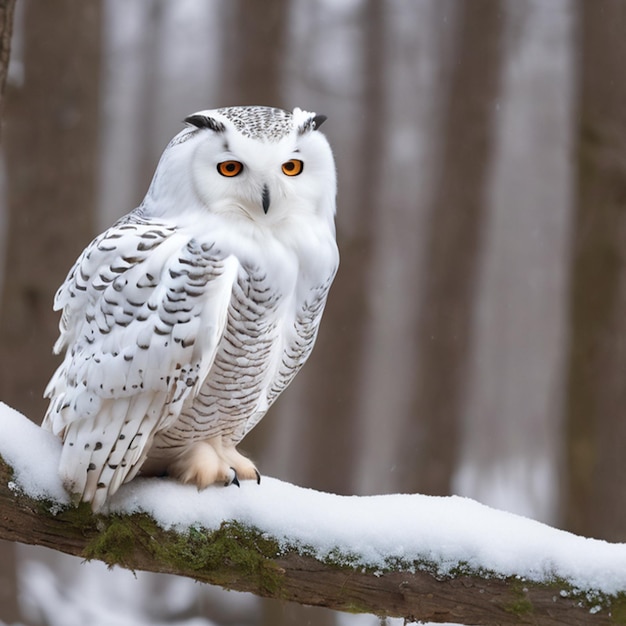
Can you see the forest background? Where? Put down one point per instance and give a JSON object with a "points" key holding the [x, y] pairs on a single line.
{"points": [[473, 342]]}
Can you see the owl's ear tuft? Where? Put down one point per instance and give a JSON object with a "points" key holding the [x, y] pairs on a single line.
{"points": [[318, 120], [204, 121], [313, 123]]}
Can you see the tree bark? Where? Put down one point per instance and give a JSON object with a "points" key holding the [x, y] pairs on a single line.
{"points": [[454, 248], [50, 143], [343, 338], [8, 578], [253, 53], [245, 559], [7, 8], [596, 401]]}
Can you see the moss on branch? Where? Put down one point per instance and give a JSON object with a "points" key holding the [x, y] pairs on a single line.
{"points": [[239, 557]]}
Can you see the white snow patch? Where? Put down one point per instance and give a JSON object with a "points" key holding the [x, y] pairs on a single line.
{"points": [[33, 453], [413, 528]]}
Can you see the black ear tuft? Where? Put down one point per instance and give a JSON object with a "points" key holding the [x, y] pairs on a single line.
{"points": [[312, 123], [202, 121], [318, 120]]}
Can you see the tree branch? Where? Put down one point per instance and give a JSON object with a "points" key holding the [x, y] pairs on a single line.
{"points": [[246, 559]]}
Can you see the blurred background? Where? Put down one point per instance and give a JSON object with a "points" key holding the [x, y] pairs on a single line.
{"points": [[474, 340]]}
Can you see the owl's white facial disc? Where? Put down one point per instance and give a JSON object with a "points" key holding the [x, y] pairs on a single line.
{"points": [[258, 163]]}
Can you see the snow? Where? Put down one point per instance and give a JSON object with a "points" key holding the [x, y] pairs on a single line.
{"points": [[373, 530], [33, 453]]}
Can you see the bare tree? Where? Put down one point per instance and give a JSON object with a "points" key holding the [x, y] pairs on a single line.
{"points": [[50, 134], [50, 142], [8, 578], [454, 245], [253, 52], [596, 401], [7, 8], [343, 339]]}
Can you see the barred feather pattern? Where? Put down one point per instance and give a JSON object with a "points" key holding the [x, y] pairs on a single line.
{"points": [[297, 351], [166, 377], [235, 387], [115, 390]]}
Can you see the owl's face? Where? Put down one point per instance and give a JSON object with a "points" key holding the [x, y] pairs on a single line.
{"points": [[257, 163]]}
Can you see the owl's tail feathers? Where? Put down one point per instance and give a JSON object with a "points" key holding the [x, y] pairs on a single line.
{"points": [[100, 454]]}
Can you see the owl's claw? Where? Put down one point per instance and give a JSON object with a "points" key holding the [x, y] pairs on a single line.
{"points": [[235, 480], [207, 462]]}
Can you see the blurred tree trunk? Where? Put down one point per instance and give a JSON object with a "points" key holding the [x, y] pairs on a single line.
{"points": [[152, 34], [253, 52], [9, 607], [343, 338], [50, 144], [454, 249], [7, 8], [596, 401]]}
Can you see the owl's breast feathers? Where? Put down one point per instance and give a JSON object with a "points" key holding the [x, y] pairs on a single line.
{"points": [[170, 338]]}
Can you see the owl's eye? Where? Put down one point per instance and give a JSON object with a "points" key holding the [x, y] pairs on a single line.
{"points": [[293, 167], [230, 168]]}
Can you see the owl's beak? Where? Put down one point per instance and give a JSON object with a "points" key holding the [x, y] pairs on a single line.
{"points": [[265, 199]]}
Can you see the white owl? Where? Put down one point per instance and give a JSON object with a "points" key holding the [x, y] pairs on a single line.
{"points": [[184, 321]]}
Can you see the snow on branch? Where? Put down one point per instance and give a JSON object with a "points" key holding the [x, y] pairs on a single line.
{"points": [[412, 556]]}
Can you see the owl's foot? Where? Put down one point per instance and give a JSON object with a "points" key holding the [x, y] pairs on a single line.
{"points": [[244, 467], [201, 465], [208, 462]]}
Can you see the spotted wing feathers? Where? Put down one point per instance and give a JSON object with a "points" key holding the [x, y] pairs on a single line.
{"points": [[144, 308]]}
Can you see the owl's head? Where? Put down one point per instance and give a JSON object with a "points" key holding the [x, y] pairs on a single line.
{"points": [[258, 163]]}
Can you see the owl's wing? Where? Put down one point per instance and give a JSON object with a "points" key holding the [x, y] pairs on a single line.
{"points": [[144, 309]]}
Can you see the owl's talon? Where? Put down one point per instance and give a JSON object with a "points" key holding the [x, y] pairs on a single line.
{"points": [[235, 480], [258, 476]]}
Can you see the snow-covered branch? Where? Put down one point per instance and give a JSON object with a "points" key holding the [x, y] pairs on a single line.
{"points": [[423, 558]]}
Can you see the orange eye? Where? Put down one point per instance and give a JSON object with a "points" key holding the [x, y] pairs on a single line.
{"points": [[293, 167], [230, 168]]}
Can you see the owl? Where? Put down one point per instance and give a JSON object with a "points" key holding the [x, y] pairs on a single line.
{"points": [[183, 322]]}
